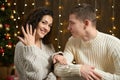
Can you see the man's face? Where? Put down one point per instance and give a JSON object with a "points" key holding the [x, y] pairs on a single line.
{"points": [[76, 27]]}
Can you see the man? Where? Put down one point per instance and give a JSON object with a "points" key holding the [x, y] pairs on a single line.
{"points": [[90, 54]]}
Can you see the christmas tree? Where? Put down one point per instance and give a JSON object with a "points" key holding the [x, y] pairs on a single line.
{"points": [[8, 33]]}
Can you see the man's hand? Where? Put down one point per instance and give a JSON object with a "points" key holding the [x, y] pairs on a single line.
{"points": [[60, 59], [88, 73]]}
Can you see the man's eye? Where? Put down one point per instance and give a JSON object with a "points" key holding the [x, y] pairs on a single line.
{"points": [[50, 25]]}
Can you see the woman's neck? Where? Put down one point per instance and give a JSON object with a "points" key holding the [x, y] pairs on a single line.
{"points": [[38, 43]]}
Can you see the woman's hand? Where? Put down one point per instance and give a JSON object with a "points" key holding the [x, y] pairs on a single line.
{"points": [[60, 59], [29, 36]]}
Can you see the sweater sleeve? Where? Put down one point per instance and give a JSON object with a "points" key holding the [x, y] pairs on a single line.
{"points": [[67, 70], [26, 58], [70, 69]]}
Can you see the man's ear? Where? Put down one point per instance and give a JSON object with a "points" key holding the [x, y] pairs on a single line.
{"points": [[86, 23]]}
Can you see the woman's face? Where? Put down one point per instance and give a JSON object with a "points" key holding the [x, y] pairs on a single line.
{"points": [[44, 26]]}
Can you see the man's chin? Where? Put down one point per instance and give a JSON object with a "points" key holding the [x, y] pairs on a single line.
{"points": [[74, 36]]}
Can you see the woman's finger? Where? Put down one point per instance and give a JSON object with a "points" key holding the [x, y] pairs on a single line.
{"points": [[21, 39], [34, 32], [27, 29], [24, 33], [31, 29]]}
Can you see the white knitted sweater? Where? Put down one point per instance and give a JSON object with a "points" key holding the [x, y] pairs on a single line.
{"points": [[33, 63], [103, 52]]}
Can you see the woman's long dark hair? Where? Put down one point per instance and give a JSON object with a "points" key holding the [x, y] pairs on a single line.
{"points": [[33, 19]]}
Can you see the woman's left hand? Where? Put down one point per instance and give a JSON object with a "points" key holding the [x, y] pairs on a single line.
{"points": [[60, 59], [29, 36]]}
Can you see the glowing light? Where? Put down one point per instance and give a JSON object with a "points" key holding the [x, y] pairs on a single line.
{"points": [[14, 19], [16, 26], [8, 4], [15, 34], [18, 17], [112, 6], [96, 9], [18, 32], [1, 26], [114, 27], [47, 3], [11, 16], [110, 31], [113, 34], [23, 12], [61, 23], [33, 4], [60, 7], [14, 11], [79, 4], [61, 31], [25, 4], [113, 18], [97, 17], [56, 39], [59, 46], [60, 15], [14, 3]]}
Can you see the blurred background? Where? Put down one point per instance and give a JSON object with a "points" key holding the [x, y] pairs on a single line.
{"points": [[13, 13]]}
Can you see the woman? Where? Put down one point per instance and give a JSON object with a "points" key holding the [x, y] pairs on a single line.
{"points": [[33, 51]]}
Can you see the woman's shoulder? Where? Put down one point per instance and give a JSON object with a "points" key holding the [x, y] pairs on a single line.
{"points": [[20, 44]]}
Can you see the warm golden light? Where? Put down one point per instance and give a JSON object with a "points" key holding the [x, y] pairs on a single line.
{"points": [[59, 15], [23, 12], [14, 11], [11, 16], [61, 31], [59, 46], [25, 4], [112, 6], [113, 34], [1, 26], [110, 31], [114, 27], [8, 4], [47, 3], [14, 3], [18, 17], [56, 39], [33, 4], [113, 18], [15, 34], [97, 17], [60, 7], [61, 23]]}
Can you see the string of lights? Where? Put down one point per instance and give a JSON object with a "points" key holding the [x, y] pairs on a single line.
{"points": [[113, 19]]}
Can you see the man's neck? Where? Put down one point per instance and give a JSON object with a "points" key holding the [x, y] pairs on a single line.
{"points": [[90, 36]]}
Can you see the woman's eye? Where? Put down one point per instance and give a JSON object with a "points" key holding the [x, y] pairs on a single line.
{"points": [[43, 22]]}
